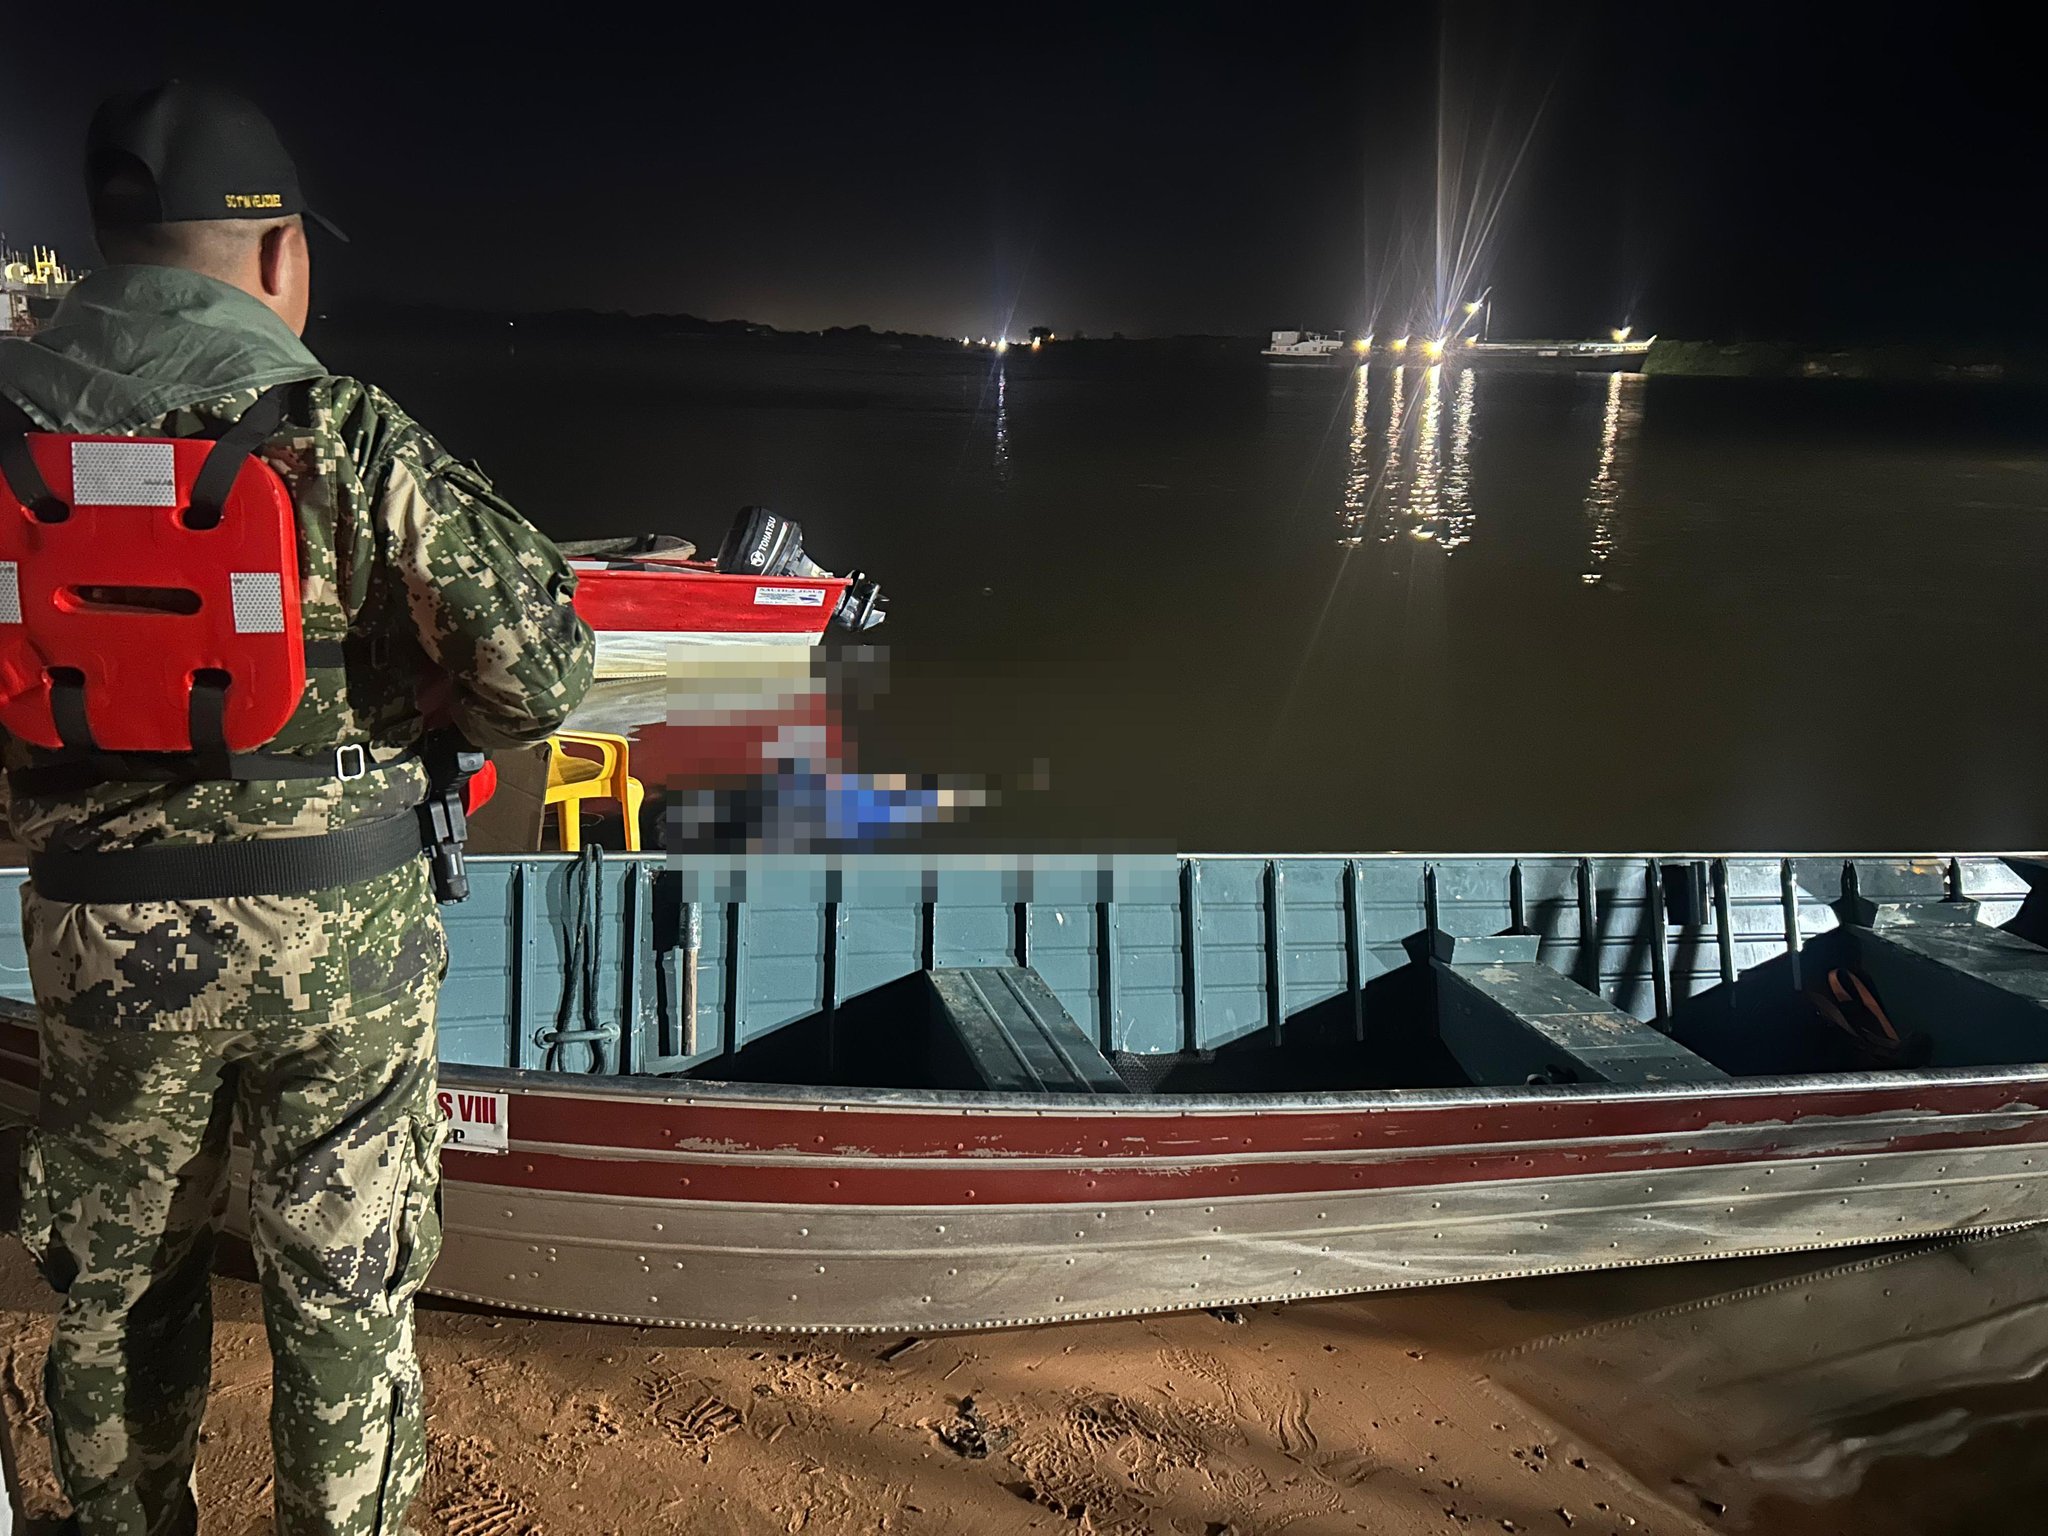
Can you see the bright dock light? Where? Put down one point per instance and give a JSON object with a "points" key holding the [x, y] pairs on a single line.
{"points": [[1434, 347], [1002, 346], [1362, 344], [1621, 332], [1472, 308], [1400, 343]]}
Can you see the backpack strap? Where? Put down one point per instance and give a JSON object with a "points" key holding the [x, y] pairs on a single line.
{"points": [[18, 465], [67, 710], [216, 478]]}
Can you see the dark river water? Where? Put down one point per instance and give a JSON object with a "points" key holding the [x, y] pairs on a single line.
{"points": [[1211, 604], [1215, 604], [1874, 1392]]}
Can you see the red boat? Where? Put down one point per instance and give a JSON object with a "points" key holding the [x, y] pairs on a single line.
{"points": [[646, 596]]}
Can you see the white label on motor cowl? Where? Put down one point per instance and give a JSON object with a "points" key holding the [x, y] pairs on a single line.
{"points": [[476, 1121], [789, 597]]}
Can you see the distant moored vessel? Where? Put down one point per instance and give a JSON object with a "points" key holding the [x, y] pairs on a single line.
{"points": [[1305, 346]]}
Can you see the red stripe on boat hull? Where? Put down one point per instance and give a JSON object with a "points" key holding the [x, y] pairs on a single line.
{"points": [[826, 1182], [1119, 1130], [703, 602]]}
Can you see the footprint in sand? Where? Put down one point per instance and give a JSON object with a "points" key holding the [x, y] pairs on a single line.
{"points": [[705, 1420], [1142, 1431], [813, 1373], [686, 1413], [479, 1505], [477, 1513]]}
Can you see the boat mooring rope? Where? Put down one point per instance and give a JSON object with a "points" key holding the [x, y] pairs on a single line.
{"points": [[576, 1019]]}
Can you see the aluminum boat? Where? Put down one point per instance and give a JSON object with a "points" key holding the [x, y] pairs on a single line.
{"points": [[909, 1092]]}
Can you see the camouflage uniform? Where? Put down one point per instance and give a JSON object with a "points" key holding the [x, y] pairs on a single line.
{"points": [[303, 1022]]}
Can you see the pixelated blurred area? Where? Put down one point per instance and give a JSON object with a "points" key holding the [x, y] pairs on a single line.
{"points": [[730, 748]]}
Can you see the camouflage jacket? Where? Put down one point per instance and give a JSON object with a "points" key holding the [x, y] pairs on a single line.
{"points": [[408, 558]]}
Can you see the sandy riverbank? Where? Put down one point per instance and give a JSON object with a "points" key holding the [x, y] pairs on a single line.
{"points": [[1348, 1416]]}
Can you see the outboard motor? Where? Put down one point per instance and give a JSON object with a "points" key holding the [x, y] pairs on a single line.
{"points": [[764, 543]]}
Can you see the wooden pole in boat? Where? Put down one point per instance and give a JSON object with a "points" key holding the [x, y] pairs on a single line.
{"points": [[693, 944], [1788, 894], [1660, 958]]}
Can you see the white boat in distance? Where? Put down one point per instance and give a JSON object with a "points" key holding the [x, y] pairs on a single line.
{"points": [[1305, 346]]}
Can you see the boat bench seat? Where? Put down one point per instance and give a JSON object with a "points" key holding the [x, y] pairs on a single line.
{"points": [[1509, 1019], [1946, 936], [1001, 1027], [1977, 994]]}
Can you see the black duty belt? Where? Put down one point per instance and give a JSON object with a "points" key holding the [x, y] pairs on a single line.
{"points": [[248, 866], [70, 773]]}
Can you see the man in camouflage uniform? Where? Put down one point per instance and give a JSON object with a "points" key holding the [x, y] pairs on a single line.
{"points": [[304, 1022]]}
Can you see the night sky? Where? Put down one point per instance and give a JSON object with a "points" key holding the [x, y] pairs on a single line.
{"points": [[1725, 171]]}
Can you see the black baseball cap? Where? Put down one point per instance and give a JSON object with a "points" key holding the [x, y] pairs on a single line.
{"points": [[187, 150]]}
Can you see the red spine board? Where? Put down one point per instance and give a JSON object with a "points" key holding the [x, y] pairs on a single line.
{"points": [[139, 662]]}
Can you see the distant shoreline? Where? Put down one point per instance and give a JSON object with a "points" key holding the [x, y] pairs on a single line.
{"points": [[1896, 363], [581, 324], [1887, 363]]}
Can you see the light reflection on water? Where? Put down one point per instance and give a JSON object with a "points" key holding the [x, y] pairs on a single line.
{"points": [[1618, 427], [1390, 451], [1358, 458], [1002, 459], [1457, 494], [1429, 487], [1422, 508]]}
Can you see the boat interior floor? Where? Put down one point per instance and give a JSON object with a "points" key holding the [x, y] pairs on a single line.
{"points": [[1939, 990], [1235, 974]]}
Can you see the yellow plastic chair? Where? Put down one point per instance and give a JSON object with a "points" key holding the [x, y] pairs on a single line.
{"points": [[591, 765]]}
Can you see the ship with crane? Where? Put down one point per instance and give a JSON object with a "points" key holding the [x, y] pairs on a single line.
{"points": [[32, 284]]}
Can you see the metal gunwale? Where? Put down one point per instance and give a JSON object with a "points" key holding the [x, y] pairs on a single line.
{"points": [[973, 1103], [1384, 855], [1876, 1122]]}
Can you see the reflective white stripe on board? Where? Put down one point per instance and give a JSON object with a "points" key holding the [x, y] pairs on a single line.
{"points": [[124, 475], [259, 602]]}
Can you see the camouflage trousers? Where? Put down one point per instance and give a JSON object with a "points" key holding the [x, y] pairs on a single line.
{"points": [[125, 1185]]}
